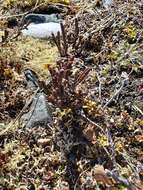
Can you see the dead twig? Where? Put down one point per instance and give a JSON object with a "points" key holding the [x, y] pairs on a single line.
{"points": [[112, 148], [135, 107], [75, 187], [82, 76], [100, 86], [76, 33], [65, 44], [116, 94], [62, 45], [92, 122]]}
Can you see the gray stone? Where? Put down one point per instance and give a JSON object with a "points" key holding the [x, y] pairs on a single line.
{"points": [[40, 112], [42, 18], [43, 30]]}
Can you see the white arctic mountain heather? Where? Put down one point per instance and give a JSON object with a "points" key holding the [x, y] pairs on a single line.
{"points": [[43, 30]]}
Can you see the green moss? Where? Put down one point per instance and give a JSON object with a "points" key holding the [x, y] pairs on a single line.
{"points": [[39, 54], [31, 53]]}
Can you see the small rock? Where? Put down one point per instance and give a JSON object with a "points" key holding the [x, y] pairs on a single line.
{"points": [[31, 78], [39, 112], [42, 18], [43, 30]]}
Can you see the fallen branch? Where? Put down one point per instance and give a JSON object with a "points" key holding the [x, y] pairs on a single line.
{"points": [[116, 94], [137, 109]]}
